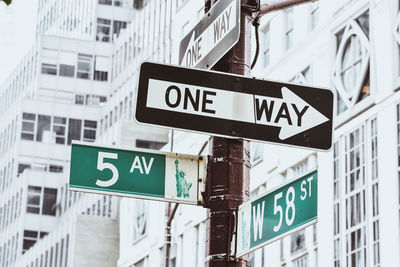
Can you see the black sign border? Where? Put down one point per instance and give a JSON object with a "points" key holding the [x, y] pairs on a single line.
{"points": [[208, 62], [322, 99]]}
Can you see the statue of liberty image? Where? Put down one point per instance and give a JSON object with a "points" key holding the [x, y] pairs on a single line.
{"points": [[182, 186]]}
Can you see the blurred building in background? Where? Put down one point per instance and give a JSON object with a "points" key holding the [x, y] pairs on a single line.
{"points": [[78, 83]]}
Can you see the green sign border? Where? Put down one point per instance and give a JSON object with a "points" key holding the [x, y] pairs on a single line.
{"points": [[305, 225], [202, 162]]}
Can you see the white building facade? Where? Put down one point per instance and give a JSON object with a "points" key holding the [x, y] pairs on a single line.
{"points": [[79, 84], [351, 47], [61, 91]]}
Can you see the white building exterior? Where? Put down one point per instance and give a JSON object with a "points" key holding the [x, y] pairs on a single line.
{"points": [[351, 47], [63, 90], [80, 84]]}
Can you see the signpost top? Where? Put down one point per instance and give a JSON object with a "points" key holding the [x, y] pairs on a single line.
{"points": [[212, 37], [235, 106]]}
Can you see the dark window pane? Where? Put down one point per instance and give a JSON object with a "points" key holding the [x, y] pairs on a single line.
{"points": [[105, 2], [55, 168], [33, 199], [118, 26], [91, 124], [49, 69], [49, 201], [43, 125], [82, 75], [43, 234], [25, 136], [32, 210], [79, 99], [67, 70], [28, 126], [28, 244], [28, 116], [22, 167], [74, 130], [32, 234], [60, 140], [89, 134], [149, 144], [100, 75], [34, 189], [59, 130], [60, 120]]}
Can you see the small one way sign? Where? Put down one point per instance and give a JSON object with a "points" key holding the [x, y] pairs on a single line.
{"points": [[212, 37], [235, 106]]}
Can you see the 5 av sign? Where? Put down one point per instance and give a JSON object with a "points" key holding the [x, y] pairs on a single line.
{"points": [[136, 173], [212, 37], [235, 106]]}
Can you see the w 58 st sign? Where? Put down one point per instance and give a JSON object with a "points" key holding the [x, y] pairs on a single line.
{"points": [[279, 213]]}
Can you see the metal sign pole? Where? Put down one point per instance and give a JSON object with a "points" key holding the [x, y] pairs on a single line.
{"points": [[229, 167]]}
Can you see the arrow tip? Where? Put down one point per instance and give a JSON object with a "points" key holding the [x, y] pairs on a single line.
{"points": [[310, 119]]}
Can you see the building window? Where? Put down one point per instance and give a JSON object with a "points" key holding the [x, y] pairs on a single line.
{"points": [[267, 46], [351, 77], [140, 220], [59, 125], [105, 2], [297, 242], [336, 205], [28, 126], [67, 70], [41, 200], [289, 28], [43, 128], [67, 63], [301, 262], [256, 153], [79, 99], [55, 168], [103, 29], [314, 11], [117, 27], [355, 198], [22, 167], [33, 203], [89, 131], [84, 66], [354, 154], [49, 201], [50, 69], [74, 130], [101, 68], [149, 144], [30, 238], [138, 4]]}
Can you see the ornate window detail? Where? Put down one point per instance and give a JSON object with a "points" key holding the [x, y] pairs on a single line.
{"points": [[140, 220], [351, 70]]}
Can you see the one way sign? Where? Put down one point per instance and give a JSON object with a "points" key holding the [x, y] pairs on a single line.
{"points": [[212, 37], [235, 106]]}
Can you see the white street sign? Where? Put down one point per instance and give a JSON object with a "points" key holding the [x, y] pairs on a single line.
{"points": [[212, 37]]}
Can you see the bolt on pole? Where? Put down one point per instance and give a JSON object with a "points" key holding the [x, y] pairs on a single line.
{"points": [[229, 165]]}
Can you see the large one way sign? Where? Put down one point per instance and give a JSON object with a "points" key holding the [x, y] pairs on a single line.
{"points": [[212, 37], [235, 106]]}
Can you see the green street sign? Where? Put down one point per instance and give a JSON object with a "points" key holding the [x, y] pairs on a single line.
{"points": [[277, 214], [136, 173]]}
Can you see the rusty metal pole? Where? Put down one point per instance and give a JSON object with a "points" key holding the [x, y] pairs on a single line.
{"points": [[229, 165]]}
